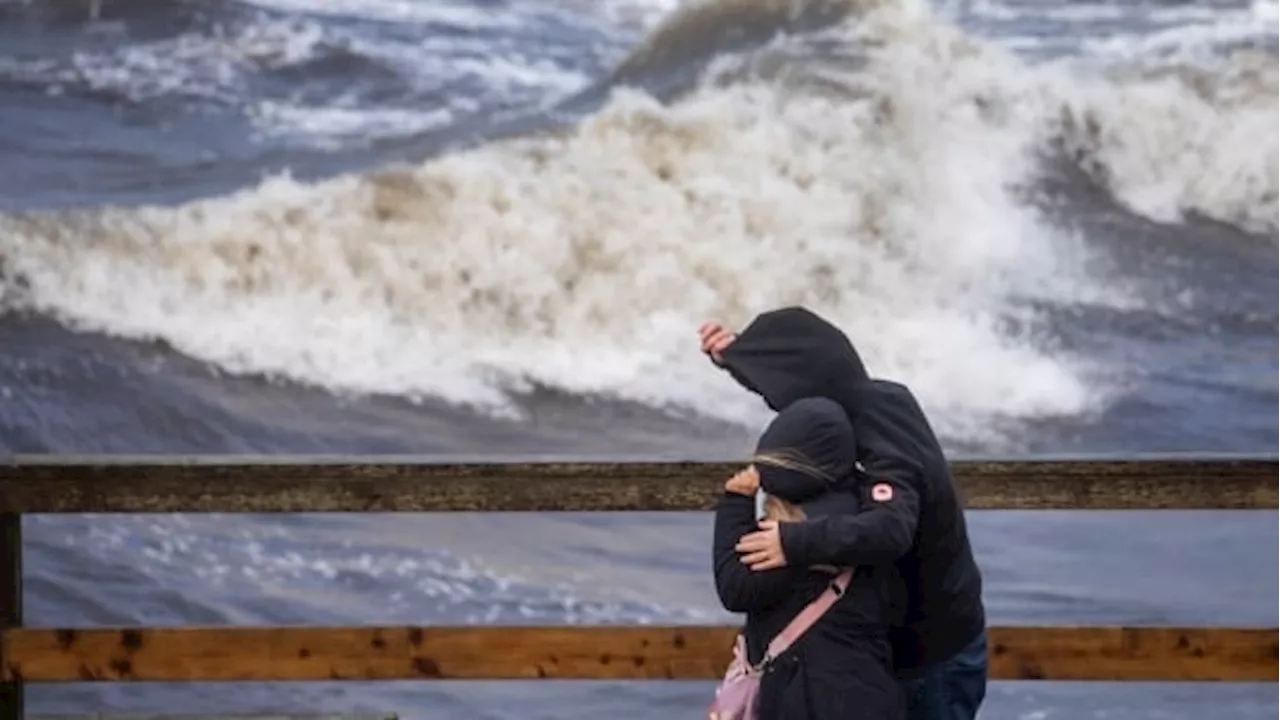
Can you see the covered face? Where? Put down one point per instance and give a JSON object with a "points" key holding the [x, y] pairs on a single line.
{"points": [[807, 450], [791, 353]]}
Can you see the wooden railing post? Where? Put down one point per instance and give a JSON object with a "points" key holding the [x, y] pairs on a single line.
{"points": [[11, 701]]}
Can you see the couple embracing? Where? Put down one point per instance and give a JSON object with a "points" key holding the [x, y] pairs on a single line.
{"points": [[861, 594]]}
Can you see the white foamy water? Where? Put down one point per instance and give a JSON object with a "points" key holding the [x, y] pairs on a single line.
{"points": [[1162, 103], [453, 63], [461, 15], [1191, 140], [885, 198]]}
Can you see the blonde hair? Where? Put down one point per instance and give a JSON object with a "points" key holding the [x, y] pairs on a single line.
{"points": [[775, 508], [793, 460]]}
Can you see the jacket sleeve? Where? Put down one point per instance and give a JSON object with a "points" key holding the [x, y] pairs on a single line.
{"points": [[883, 531], [740, 589]]}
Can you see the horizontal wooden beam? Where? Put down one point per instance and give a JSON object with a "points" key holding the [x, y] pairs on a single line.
{"points": [[58, 484], [584, 652]]}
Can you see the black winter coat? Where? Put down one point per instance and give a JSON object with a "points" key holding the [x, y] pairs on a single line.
{"points": [[842, 668], [913, 516]]}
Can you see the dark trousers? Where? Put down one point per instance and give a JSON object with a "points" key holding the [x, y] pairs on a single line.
{"points": [[952, 689]]}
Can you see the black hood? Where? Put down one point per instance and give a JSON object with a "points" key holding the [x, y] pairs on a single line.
{"points": [[791, 353], [813, 436]]}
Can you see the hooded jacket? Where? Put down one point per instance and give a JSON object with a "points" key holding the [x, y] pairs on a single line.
{"points": [[911, 515], [842, 667], [817, 433]]}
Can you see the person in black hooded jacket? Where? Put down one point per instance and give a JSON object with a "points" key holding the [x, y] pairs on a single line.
{"points": [[842, 667], [914, 517]]}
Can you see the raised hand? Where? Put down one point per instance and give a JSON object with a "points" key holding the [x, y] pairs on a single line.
{"points": [[715, 338]]}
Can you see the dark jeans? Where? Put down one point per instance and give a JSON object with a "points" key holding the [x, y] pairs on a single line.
{"points": [[952, 689]]}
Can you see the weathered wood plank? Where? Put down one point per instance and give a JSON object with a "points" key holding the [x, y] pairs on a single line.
{"points": [[595, 652], [11, 694], [58, 484]]}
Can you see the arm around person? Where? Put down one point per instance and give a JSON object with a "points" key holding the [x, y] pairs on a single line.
{"points": [[883, 531], [740, 589]]}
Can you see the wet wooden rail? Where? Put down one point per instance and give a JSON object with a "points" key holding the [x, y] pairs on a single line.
{"points": [[42, 484], [63, 484], [583, 653]]}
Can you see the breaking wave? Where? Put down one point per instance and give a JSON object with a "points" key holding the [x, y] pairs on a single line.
{"points": [[875, 163]]}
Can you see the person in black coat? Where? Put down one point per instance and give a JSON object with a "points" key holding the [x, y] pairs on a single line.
{"points": [[914, 518], [842, 667]]}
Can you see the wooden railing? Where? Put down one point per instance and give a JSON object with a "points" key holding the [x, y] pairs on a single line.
{"points": [[60, 484]]}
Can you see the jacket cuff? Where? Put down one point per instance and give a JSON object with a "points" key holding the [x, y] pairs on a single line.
{"points": [[794, 537]]}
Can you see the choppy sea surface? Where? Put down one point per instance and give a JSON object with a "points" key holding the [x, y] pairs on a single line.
{"points": [[486, 228]]}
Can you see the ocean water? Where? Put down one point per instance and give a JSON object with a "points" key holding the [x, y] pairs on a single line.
{"points": [[483, 228]]}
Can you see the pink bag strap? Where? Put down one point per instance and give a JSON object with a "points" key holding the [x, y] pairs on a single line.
{"points": [[807, 617]]}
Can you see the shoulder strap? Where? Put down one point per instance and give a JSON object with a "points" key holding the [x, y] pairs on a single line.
{"points": [[807, 617]]}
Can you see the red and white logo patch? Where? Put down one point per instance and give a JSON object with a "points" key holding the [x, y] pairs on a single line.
{"points": [[882, 492]]}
